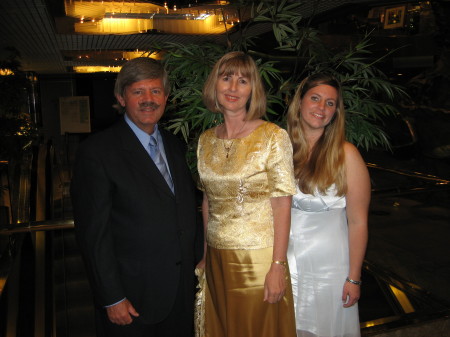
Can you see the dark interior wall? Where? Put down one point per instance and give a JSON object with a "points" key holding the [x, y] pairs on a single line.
{"points": [[50, 90], [100, 90], [98, 87]]}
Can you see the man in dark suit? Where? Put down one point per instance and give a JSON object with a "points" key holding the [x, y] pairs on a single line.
{"points": [[135, 214]]}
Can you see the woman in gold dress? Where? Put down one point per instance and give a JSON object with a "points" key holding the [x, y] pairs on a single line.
{"points": [[246, 174]]}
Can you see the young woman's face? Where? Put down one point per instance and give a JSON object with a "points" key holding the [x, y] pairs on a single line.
{"points": [[233, 92], [318, 107]]}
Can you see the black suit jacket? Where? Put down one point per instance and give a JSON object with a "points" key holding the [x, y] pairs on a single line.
{"points": [[136, 236]]}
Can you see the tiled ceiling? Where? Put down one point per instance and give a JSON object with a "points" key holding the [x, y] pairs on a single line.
{"points": [[28, 26]]}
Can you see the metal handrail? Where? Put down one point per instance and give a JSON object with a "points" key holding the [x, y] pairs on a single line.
{"points": [[406, 173], [35, 226]]}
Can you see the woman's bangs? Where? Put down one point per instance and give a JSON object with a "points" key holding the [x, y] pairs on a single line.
{"points": [[235, 66]]}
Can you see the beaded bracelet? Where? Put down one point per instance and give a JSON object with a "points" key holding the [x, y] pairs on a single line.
{"points": [[358, 283]]}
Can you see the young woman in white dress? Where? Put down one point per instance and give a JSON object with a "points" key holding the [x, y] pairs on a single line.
{"points": [[329, 213]]}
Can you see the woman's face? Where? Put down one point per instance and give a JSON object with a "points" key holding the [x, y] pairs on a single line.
{"points": [[233, 92], [318, 107]]}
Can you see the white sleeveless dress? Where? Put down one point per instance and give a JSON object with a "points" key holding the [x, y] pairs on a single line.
{"points": [[319, 262]]}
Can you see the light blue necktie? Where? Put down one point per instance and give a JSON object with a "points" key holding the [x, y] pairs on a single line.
{"points": [[159, 161]]}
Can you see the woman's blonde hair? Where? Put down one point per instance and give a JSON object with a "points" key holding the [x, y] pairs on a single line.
{"points": [[236, 63], [325, 164]]}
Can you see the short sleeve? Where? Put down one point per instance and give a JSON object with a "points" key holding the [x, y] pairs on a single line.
{"points": [[200, 185], [200, 158], [280, 168]]}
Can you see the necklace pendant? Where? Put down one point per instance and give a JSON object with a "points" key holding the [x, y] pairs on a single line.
{"points": [[227, 148]]}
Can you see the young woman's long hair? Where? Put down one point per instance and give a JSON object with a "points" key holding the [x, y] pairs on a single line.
{"points": [[324, 164], [234, 63]]}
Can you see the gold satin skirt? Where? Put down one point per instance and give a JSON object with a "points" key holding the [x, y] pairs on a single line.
{"points": [[234, 296]]}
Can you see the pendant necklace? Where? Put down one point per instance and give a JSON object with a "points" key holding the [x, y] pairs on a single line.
{"points": [[228, 148]]}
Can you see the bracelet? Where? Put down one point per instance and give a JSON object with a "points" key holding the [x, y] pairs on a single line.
{"points": [[349, 280], [282, 263]]}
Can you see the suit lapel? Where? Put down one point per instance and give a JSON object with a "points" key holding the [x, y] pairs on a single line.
{"points": [[139, 158]]}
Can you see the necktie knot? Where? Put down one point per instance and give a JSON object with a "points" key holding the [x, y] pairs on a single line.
{"points": [[153, 141]]}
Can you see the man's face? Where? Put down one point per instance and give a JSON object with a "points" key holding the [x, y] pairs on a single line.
{"points": [[144, 103]]}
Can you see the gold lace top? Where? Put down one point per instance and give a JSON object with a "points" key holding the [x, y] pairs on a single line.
{"points": [[259, 166]]}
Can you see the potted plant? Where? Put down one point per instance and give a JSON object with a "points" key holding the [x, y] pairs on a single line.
{"points": [[368, 92]]}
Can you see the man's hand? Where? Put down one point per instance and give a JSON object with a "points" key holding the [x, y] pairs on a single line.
{"points": [[122, 313]]}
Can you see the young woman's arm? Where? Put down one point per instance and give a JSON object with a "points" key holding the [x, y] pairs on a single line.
{"points": [[358, 199]]}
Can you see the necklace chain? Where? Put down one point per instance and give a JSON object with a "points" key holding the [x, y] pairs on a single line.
{"points": [[228, 148]]}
